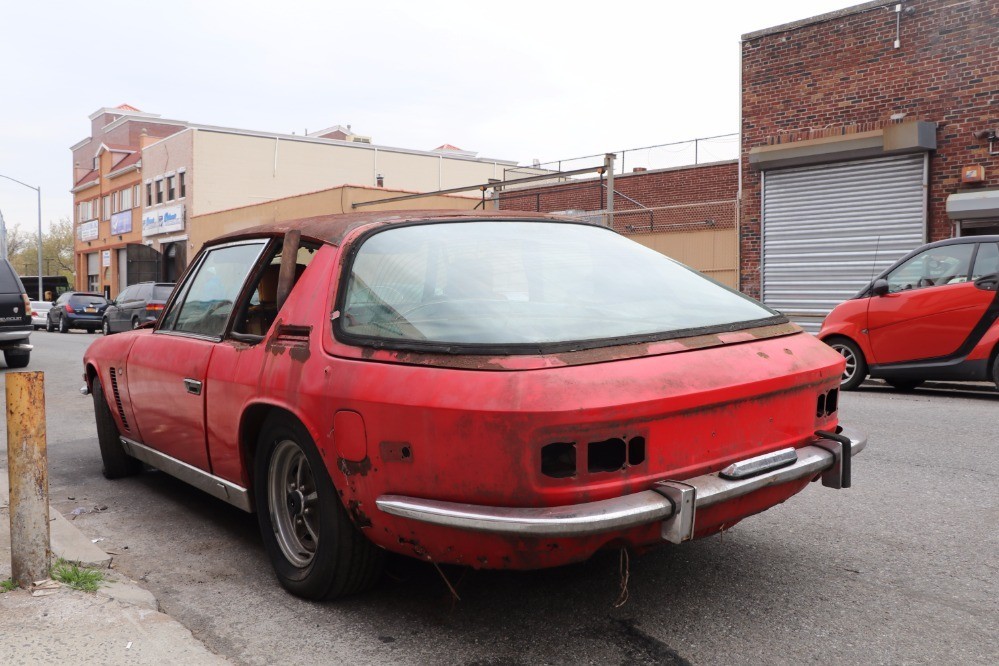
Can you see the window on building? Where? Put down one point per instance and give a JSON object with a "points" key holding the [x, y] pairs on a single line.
{"points": [[125, 200], [114, 202], [136, 194], [159, 191], [149, 195], [97, 163], [106, 207], [170, 188], [182, 183]]}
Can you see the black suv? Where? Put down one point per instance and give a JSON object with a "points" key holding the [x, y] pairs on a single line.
{"points": [[76, 309], [15, 318], [136, 305]]}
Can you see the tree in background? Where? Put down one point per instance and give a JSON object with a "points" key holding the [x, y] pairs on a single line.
{"points": [[57, 250]]}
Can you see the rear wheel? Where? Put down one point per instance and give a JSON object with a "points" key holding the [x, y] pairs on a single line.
{"points": [[106, 327], [17, 359], [855, 371], [135, 324], [316, 551], [63, 325], [49, 326], [117, 463]]}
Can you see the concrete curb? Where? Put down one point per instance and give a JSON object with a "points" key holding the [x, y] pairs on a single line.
{"points": [[119, 624]]}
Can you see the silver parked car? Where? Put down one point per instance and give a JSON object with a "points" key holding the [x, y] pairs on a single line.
{"points": [[39, 313]]}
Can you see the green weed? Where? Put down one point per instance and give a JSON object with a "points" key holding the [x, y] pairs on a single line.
{"points": [[7, 585], [77, 577]]}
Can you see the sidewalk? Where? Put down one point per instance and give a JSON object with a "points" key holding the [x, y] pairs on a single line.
{"points": [[118, 624]]}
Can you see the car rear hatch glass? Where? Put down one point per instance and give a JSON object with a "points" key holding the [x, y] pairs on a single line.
{"points": [[524, 287]]}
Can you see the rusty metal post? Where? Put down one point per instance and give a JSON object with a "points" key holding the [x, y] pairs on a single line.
{"points": [[27, 468]]}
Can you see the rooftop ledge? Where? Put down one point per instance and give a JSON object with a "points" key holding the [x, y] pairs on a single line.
{"points": [[895, 139]]}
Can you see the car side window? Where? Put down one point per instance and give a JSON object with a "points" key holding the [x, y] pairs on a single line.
{"points": [[987, 261], [948, 264], [142, 292], [125, 295], [206, 303]]}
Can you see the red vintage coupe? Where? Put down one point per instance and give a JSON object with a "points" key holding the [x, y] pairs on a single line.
{"points": [[487, 389]]}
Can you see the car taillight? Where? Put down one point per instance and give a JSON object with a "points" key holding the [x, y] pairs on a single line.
{"points": [[27, 304], [69, 308], [154, 307]]}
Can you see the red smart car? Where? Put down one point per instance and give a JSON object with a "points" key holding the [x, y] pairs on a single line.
{"points": [[932, 315], [494, 390]]}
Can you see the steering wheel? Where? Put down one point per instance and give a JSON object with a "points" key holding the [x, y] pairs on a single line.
{"points": [[924, 282]]}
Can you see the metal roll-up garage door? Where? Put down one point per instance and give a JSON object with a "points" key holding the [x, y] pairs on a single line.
{"points": [[827, 228]]}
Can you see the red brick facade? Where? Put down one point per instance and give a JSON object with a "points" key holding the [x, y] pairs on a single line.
{"points": [[844, 71], [684, 198]]}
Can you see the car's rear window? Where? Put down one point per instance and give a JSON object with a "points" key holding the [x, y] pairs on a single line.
{"points": [[9, 282], [527, 283], [161, 292], [83, 300]]}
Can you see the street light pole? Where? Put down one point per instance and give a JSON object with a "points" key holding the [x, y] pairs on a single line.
{"points": [[38, 190]]}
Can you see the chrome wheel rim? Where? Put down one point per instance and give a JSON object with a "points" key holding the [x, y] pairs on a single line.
{"points": [[293, 503], [851, 362], [107, 328]]}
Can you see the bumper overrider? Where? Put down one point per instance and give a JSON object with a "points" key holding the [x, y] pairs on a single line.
{"points": [[675, 504]]}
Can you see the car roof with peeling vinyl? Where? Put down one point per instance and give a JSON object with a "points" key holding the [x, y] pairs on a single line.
{"points": [[334, 228]]}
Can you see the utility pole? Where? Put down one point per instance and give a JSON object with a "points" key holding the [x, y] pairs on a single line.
{"points": [[609, 168], [3, 237]]}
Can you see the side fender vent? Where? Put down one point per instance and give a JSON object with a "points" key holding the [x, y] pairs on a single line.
{"points": [[117, 399], [292, 336]]}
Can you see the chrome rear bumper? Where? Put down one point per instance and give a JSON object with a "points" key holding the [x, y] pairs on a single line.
{"points": [[674, 503]]}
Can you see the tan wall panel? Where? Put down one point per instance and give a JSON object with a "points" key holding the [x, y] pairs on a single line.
{"points": [[337, 200], [714, 253], [235, 170]]}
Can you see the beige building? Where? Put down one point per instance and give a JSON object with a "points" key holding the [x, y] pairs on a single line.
{"points": [[202, 170], [334, 200], [144, 185]]}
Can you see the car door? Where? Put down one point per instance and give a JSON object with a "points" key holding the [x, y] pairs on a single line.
{"points": [[115, 310], [931, 308], [137, 305], [166, 370]]}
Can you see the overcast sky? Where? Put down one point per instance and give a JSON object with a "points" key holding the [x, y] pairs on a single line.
{"points": [[517, 80]]}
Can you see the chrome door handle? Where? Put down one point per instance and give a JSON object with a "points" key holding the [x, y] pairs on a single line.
{"points": [[193, 386]]}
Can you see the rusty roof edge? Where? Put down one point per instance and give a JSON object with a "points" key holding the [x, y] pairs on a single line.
{"points": [[821, 18], [335, 227]]}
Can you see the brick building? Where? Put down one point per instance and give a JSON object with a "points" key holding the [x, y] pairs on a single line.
{"points": [[856, 128], [688, 213]]}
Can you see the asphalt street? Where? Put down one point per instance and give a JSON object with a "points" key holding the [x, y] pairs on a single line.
{"points": [[902, 568]]}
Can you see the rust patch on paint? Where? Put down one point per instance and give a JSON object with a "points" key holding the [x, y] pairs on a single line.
{"points": [[350, 468], [396, 451], [360, 518]]}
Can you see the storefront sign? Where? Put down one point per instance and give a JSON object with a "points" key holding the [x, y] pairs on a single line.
{"points": [[88, 230], [121, 223], [163, 220], [106, 258]]}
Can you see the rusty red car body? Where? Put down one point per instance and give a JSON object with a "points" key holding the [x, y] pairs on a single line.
{"points": [[452, 453]]}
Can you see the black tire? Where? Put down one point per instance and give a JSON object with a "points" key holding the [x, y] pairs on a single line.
{"points": [[856, 365], [117, 463], [135, 324], [106, 327], [995, 371], [904, 385], [48, 325], [63, 324], [322, 556], [17, 359]]}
